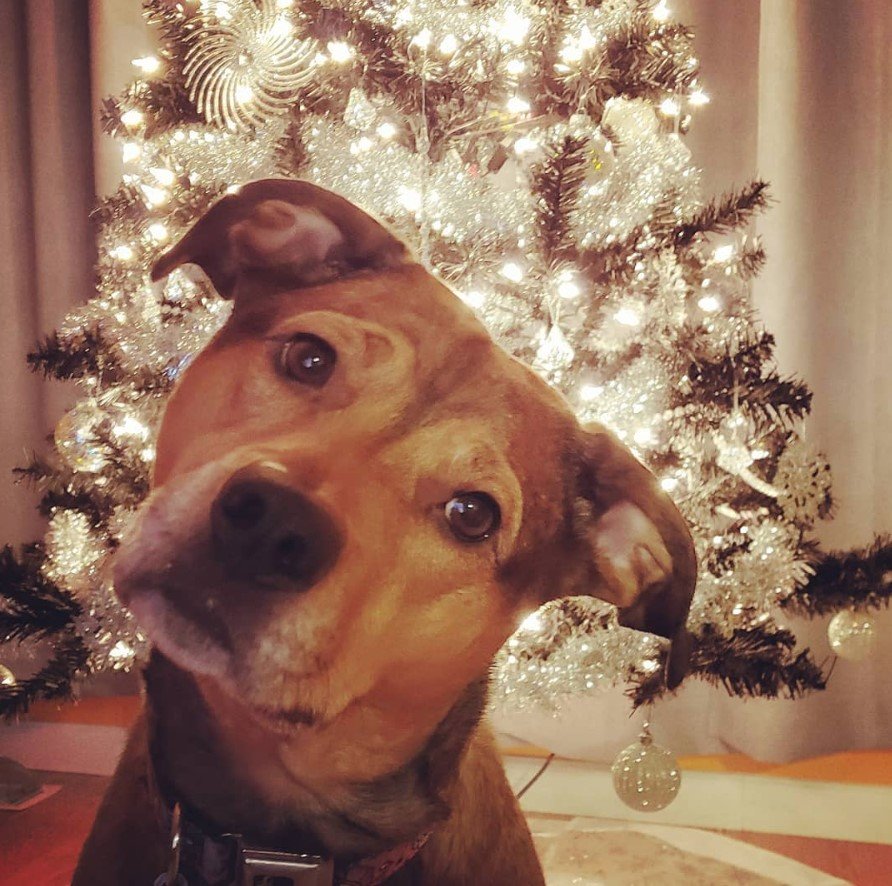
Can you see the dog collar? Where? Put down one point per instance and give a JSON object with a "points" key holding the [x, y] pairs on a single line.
{"points": [[199, 859]]}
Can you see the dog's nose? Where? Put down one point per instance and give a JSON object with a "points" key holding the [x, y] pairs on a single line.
{"points": [[265, 531]]}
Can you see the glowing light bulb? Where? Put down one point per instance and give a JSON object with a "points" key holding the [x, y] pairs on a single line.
{"points": [[130, 151], [362, 144], [661, 11], [284, 4], [149, 64], [123, 252], [386, 130], [627, 317], [587, 40], [531, 623], [339, 51], [132, 427], [670, 107], [518, 105], [723, 253], [422, 39], [572, 52], [155, 196], [709, 303], [643, 436], [698, 97], [515, 67], [591, 392], [525, 144], [133, 117], [158, 232], [474, 298], [165, 176], [568, 288], [448, 44], [513, 28], [410, 198], [512, 271], [121, 651], [669, 484]]}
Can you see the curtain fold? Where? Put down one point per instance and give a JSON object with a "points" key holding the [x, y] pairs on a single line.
{"points": [[46, 240]]}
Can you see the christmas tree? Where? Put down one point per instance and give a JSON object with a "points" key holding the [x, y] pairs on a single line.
{"points": [[532, 154]]}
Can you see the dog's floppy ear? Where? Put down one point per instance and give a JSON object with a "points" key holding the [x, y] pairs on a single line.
{"points": [[637, 551], [285, 232]]}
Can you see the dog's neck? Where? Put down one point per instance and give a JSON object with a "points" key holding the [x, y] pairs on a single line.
{"points": [[233, 776]]}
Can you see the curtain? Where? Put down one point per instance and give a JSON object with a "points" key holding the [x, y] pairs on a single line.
{"points": [[46, 241], [802, 97]]}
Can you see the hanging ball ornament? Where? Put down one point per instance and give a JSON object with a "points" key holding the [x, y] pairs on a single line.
{"points": [[75, 437], [646, 776], [7, 677], [245, 63], [852, 634]]}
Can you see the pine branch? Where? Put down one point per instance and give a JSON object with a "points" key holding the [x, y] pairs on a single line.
{"points": [[860, 578], [556, 182], [87, 353], [54, 681], [30, 604], [753, 662], [740, 376], [730, 212]]}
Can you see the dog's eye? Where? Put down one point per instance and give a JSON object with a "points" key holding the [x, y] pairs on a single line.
{"points": [[473, 516], [308, 359]]}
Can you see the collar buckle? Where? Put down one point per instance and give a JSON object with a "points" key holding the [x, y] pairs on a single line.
{"points": [[266, 867]]}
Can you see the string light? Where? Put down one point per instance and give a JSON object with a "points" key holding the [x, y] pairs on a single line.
{"points": [[670, 107], [513, 27], [698, 98], [386, 130], [723, 253], [123, 252], [518, 105], [512, 271], [627, 317], [165, 176], [158, 232], [132, 117], [130, 151], [149, 64], [709, 303], [661, 11], [448, 45], [339, 51]]}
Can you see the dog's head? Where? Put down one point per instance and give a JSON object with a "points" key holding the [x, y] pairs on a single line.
{"points": [[357, 494]]}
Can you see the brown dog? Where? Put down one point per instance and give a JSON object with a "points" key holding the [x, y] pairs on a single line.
{"points": [[357, 498]]}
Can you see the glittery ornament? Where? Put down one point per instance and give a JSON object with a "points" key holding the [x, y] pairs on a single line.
{"points": [[75, 437], [852, 634], [245, 64], [7, 677], [646, 776]]}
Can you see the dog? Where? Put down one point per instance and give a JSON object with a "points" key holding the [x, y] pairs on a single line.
{"points": [[357, 497]]}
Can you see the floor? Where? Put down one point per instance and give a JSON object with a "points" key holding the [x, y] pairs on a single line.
{"points": [[39, 846]]}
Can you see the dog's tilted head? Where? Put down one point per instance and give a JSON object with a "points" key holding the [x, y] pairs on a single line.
{"points": [[358, 495]]}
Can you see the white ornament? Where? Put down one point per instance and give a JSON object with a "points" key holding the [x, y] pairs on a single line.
{"points": [[852, 635], [245, 67], [646, 776]]}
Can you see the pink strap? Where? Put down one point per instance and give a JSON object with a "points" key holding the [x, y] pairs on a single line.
{"points": [[374, 871]]}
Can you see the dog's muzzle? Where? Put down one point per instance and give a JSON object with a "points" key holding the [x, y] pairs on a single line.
{"points": [[264, 531]]}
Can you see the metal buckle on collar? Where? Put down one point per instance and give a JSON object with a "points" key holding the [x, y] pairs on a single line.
{"points": [[265, 867]]}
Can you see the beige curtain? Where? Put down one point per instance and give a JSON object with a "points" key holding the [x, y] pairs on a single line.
{"points": [[46, 242], [801, 96]]}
